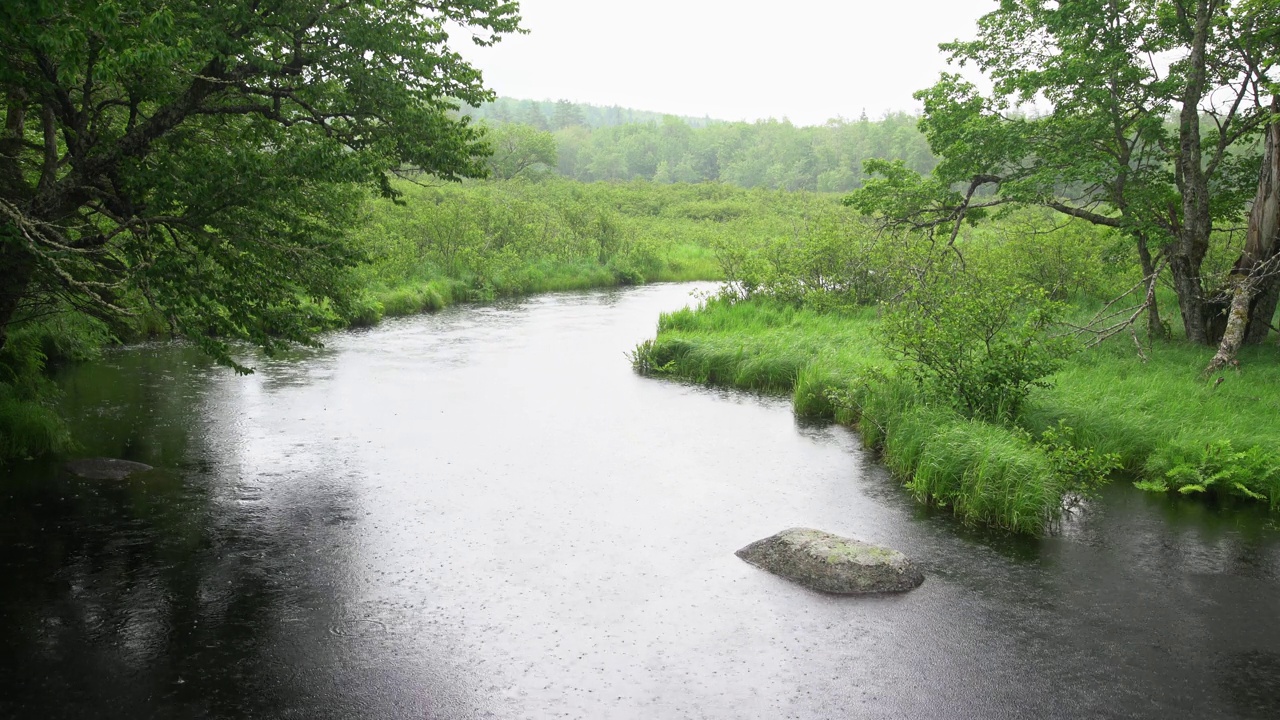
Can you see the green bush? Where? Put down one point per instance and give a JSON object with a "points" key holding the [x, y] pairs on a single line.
{"points": [[980, 343], [29, 428]]}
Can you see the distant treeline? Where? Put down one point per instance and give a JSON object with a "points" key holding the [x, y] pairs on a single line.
{"points": [[560, 114], [593, 143]]}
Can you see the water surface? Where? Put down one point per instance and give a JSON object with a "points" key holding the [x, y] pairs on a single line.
{"points": [[485, 513]]}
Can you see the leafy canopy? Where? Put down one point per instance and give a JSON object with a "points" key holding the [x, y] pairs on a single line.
{"points": [[201, 159], [1078, 117]]}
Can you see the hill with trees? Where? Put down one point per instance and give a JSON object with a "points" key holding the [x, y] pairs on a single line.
{"points": [[619, 144]]}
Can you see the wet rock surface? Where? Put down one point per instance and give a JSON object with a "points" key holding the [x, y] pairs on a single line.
{"points": [[101, 468], [829, 563]]}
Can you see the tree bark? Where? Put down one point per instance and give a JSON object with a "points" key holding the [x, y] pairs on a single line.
{"points": [[1155, 328], [16, 267], [1237, 320], [1186, 283], [1253, 279], [16, 264], [1192, 241], [1264, 311]]}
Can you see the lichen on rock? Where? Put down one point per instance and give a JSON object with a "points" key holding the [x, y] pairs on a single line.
{"points": [[830, 563]]}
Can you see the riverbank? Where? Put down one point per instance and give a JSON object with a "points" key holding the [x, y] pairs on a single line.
{"points": [[1163, 425], [397, 298], [440, 245], [476, 242], [397, 525]]}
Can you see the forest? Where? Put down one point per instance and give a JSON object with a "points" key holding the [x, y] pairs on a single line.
{"points": [[593, 144]]}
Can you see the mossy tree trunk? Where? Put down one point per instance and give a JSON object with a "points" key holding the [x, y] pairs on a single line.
{"points": [[1191, 242], [1253, 279]]}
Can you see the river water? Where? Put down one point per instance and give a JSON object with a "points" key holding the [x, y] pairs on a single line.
{"points": [[483, 513]]}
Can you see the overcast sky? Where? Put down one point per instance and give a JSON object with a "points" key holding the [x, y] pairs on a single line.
{"points": [[807, 60]]}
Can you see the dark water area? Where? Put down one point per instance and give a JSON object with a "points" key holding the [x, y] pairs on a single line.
{"points": [[484, 513]]}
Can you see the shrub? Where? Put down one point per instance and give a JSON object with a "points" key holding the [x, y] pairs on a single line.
{"points": [[980, 343]]}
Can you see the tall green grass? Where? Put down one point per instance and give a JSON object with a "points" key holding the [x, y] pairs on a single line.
{"points": [[1169, 427], [487, 240], [28, 425], [28, 428]]}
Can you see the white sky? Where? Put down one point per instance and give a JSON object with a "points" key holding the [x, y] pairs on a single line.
{"points": [[807, 60]]}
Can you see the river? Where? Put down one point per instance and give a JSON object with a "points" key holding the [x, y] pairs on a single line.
{"points": [[484, 513]]}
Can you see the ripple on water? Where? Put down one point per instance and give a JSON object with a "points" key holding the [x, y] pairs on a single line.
{"points": [[1252, 683], [358, 627]]}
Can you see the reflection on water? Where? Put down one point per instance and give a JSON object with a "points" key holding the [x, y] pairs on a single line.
{"points": [[484, 513]]}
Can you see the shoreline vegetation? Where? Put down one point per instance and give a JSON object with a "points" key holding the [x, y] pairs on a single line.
{"points": [[978, 365], [1013, 308], [441, 244], [991, 391], [1164, 427], [805, 310]]}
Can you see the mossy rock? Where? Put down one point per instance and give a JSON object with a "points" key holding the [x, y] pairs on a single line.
{"points": [[833, 564]]}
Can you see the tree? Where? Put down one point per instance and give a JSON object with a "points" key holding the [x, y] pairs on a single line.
{"points": [[1105, 151], [201, 159], [520, 150], [531, 114], [567, 115], [1253, 278], [1254, 284]]}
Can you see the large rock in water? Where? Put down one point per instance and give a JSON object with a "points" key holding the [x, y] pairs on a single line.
{"points": [[830, 563], [104, 468]]}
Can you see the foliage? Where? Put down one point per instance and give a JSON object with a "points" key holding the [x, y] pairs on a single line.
{"points": [[477, 241], [202, 159], [1082, 469], [980, 341], [830, 364], [824, 258], [1105, 151], [620, 144], [1216, 469], [520, 151], [28, 425], [982, 472], [562, 114], [29, 428], [1107, 411]]}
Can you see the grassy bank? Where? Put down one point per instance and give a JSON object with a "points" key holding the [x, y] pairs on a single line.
{"points": [[1169, 428], [476, 242], [440, 245]]}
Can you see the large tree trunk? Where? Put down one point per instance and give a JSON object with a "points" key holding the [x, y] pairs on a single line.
{"points": [[1192, 241], [1253, 279], [1263, 313], [16, 268], [1185, 270], [16, 265]]}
